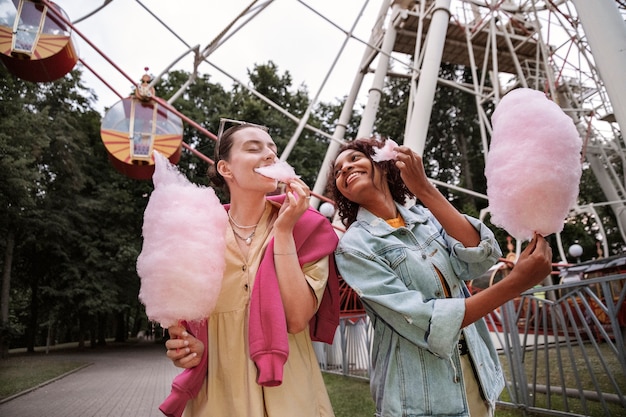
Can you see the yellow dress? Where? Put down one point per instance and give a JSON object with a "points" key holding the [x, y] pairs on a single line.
{"points": [[230, 389]]}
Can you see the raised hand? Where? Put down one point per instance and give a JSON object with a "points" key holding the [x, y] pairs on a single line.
{"points": [[534, 264], [412, 171], [295, 204]]}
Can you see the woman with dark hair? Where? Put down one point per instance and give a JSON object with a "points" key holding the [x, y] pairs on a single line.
{"points": [[432, 354], [253, 357]]}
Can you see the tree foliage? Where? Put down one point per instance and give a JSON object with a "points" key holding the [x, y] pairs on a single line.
{"points": [[452, 152], [75, 222], [70, 224]]}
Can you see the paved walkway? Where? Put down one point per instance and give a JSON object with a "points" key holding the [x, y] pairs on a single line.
{"points": [[129, 381]]}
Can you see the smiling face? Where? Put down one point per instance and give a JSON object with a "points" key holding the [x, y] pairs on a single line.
{"points": [[251, 148], [355, 180], [356, 177]]}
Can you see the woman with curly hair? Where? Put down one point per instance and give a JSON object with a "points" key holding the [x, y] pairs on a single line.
{"points": [[432, 354]]}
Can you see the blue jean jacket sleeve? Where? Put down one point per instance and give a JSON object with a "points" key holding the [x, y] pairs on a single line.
{"points": [[469, 263], [386, 296], [397, 281], [431, 324]]}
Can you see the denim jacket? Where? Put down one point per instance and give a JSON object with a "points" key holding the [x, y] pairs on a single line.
{"points": [[416, 369]]}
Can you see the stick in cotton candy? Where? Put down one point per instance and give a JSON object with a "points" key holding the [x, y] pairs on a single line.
{"points": [[182, 262], [533, 167]]}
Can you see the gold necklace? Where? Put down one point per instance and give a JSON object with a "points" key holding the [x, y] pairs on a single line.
{"points": [[248, 239], [238, 225]]}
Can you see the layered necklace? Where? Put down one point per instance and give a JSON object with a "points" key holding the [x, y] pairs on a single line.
{"points": [[247, 239]]}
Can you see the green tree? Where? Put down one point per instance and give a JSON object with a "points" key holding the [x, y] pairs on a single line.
{"points": [[76, 222], [452, 152], [208, 102], [22, 143], [267, 80], [203, 102], [584, 228]]}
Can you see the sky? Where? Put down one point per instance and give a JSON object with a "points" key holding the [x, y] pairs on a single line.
{"points": [[286, 32]]}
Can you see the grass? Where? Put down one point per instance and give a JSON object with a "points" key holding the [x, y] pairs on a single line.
{"points": [[22, 372], [587, 373], [350, 397]]}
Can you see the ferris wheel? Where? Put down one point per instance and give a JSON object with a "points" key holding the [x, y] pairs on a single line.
{"points": [[571, 50], [568, 49]]}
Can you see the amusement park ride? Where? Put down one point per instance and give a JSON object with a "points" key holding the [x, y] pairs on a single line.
{"points": [[573, 50]]}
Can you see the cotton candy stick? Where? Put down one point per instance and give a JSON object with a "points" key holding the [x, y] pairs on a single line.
{"points": [[280, 170], [533, 167], [182, 262]]}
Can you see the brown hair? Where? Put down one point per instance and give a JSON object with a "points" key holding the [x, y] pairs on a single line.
{"points": [[347, 209], [222, 152]]}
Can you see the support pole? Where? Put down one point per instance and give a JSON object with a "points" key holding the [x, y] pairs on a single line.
{"points": [[376, 91], [422, 107], [346, 112], [606, 33]]}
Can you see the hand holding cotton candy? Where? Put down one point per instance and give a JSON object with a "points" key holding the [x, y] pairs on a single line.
{"points": [[280, 170], [182, 260], [386, 153], [533, 168]]}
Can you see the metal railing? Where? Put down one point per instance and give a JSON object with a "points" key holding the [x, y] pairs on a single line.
{"points": [[562, 348]]}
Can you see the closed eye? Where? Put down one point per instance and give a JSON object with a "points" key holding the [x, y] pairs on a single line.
{"points": [[257, 146]]}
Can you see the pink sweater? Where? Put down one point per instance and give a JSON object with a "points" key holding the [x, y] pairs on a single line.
{"points": [[267, 330]]}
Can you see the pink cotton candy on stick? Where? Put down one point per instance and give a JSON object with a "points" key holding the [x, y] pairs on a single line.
{"points": [[279, 170], [386, 153], [533, 168], [182, 262]]}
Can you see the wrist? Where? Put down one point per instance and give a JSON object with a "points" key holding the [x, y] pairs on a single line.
{"points": [[427, 192]]}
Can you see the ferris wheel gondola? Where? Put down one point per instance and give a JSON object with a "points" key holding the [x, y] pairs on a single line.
{"points": [[135, 127], [35, 45]]}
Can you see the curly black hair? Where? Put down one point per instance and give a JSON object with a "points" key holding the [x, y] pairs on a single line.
{"points": [[347, 209]]}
